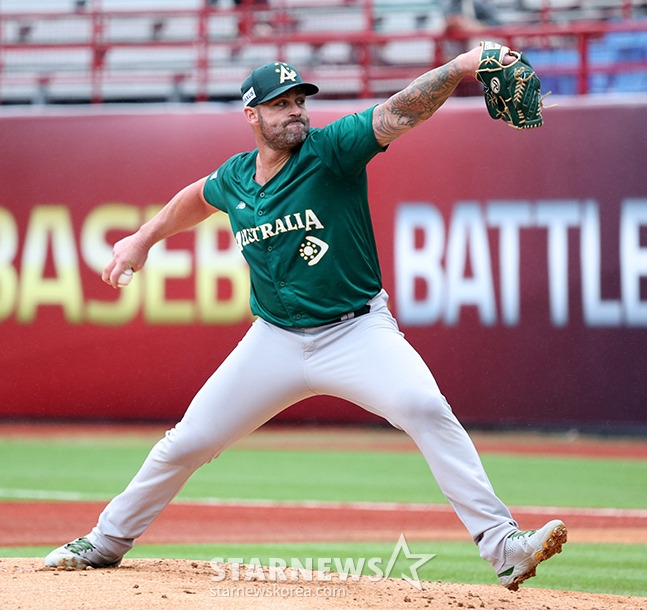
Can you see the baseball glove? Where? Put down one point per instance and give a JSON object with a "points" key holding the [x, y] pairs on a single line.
{"points": [[512, 91]]}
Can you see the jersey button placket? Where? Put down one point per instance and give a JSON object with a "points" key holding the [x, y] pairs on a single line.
{"points": [[272, 261], [268, 248]]}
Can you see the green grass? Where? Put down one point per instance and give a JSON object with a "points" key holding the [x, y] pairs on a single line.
{"points": [[100, 468], [568, 481]]}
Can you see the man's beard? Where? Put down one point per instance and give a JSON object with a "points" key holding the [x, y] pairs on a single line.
{"points": [[284, 137]]}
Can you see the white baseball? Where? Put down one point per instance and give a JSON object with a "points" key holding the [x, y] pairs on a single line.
{"points": [[124, 278]]}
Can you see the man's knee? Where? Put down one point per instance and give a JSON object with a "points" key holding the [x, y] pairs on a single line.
{"points": [[188, 449], [423, 407]]}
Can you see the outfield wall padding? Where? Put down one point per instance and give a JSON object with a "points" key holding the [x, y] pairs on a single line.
{"points": [[516, 262]]}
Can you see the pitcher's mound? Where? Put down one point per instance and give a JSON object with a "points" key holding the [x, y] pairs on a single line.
{"points": [[173, 583]]}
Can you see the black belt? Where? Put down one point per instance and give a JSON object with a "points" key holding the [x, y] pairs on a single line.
{"points": [[356, 314]]}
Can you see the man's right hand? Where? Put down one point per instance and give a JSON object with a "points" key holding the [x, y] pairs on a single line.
{"points": [[127, 253]]}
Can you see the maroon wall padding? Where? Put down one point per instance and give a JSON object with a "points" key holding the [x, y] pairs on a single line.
{"points": [[516, 262]]}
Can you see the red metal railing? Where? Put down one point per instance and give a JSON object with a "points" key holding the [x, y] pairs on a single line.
{"points": [[282, 29], [578, 36]]}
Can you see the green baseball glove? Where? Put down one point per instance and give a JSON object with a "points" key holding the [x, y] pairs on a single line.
{"points": [[512, 91]]}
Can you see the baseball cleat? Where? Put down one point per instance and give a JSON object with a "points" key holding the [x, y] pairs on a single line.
{"points": [[525, 550], [78, 555]]}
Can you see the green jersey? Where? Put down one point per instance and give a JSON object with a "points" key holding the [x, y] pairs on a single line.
{"points": [[306, 234]]}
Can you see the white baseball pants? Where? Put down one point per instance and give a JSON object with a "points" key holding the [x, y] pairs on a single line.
{"points": [[365, 360]]}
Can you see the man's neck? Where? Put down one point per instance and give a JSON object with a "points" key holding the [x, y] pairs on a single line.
{"points": [[269, 163]]}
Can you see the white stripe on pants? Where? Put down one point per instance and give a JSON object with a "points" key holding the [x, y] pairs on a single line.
{"points": [[365, 360]]}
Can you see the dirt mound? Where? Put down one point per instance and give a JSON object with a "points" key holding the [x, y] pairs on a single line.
{"points": [[172, 583]]}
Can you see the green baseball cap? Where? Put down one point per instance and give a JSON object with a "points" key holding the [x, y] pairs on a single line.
{"points": [[270, 81]]}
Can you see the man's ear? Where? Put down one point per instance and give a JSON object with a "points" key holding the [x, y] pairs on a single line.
{"points": [[251, 115]]}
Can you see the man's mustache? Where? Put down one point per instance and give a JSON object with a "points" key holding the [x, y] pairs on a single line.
{"points": [[302, 121]]}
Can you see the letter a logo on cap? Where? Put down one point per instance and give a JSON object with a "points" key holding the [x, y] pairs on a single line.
{"points": [[286, 73]]}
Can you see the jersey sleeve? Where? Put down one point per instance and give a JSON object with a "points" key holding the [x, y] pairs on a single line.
{"points": [[212, 190], [348, 144]]}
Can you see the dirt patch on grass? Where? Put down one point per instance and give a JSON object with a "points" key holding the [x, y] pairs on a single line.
{"points": [[55, 523]]}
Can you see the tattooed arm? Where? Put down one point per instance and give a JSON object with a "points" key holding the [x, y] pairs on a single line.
{"points": [[417, 102]]}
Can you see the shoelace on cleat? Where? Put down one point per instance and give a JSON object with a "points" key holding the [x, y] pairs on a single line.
{"points": [[522, 534], [80, 545]]}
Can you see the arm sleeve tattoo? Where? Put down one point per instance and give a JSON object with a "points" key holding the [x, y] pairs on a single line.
{"points": [[415, 103]]}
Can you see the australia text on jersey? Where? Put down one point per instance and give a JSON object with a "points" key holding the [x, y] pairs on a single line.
{"points": [[298, 221]]}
